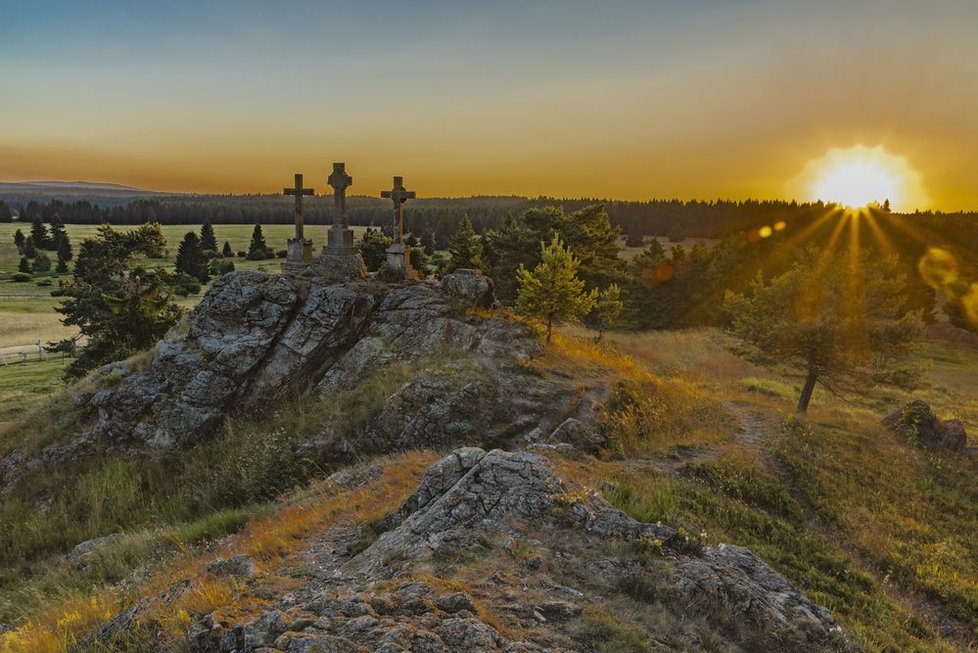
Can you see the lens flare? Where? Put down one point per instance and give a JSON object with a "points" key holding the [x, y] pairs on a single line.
{"points": [[938, 268]]}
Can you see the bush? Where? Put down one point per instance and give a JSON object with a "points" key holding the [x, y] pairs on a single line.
{"points": [[220, 267], [242, 254], [21, 277], [282, 253], [45, 282], [183, 284]]}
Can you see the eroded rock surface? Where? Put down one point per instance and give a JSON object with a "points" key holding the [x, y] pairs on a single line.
{"points": [[255, 337], [495, 551]]}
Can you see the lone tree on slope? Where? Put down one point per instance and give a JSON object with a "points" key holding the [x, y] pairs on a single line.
{"points": [[828, 317], [552, 291]]}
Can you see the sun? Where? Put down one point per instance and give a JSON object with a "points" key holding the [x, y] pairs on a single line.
{"points": [[858, 176], [856, 184]]}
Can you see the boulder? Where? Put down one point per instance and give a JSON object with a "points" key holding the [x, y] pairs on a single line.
{"points": [[256, 336], [469, 287], [916, 424]]}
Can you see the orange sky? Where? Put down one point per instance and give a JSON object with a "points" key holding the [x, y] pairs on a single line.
{"points": [[629, 100]]}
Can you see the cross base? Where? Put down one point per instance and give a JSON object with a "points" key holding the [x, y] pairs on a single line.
{"points": [[299, 255], [399, 258], [339, 241], [337, 268]]}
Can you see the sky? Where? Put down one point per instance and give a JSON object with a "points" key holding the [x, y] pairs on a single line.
{"points": [[618, 99]]}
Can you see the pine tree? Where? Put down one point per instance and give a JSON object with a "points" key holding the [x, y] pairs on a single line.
{"points": [[552, 291], [227, 252], [190, 258], [257, 249], [39, 232], [373, 248], [19, 241], [5, 214], [30, 250], [208, 241], [64, 253], [428, 242], [465, 247], [41, 264], [606, 310], [116, 314], [57, 233], [828, 316], [24, 265]]}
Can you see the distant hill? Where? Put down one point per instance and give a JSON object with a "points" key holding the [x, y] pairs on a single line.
{"points": [[17, 193]]}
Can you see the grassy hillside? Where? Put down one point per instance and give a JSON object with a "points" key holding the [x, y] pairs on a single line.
{"points": [[880, 533]]}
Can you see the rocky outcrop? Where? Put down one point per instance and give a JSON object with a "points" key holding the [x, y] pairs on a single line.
{"points": [[472, 502], [255, 337], [917, 424]]}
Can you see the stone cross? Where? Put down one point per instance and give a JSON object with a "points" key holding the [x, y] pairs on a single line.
{"points": [[298, 191], [398, 194], [340, 181]]}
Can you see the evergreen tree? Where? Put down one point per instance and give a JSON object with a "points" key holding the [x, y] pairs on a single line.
{"points": [[465, 247], [19, 241], [39, 232], [227, 252], [428, 242], [208, 240], [64, 249], [117, 312], [41, 264], [257, 249], [606, 310], [5, 214], [24, 265], [58, 232], [828, 316], [30, 250], [552, 291], [190, 258], [373, 248]]}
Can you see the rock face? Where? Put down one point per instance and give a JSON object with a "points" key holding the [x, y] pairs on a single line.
{"points": [[472, 502], [255, 337], [916, 422]]}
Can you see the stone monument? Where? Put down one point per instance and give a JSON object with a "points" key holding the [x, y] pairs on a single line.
{"points": [[398, 256], [340, 260], [299, 249]]}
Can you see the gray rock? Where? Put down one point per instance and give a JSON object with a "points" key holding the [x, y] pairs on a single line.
{"points": [[239, 566], [916, 423], [469, 287], [85, 549]]}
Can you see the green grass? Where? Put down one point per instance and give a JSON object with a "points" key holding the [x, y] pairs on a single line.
{"points": [[861, 522], [23, 385]]}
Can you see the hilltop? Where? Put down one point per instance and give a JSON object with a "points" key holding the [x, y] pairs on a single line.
{"points": [[394, 467]]}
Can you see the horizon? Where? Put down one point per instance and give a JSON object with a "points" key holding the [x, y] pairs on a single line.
{"points": [[633, 101]]}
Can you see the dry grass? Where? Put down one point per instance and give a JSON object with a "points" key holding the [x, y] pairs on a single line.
{"points": [[269, 539]]}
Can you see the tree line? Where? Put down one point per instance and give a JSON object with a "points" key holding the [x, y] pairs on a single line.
{"points": [[437, 218]]}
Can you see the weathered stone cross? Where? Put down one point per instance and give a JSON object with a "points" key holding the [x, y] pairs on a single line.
{"points": [[398, 194], [298, 191], [340, 181]]}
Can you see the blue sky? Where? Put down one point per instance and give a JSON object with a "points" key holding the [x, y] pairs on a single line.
{"points": [[627, 99]]}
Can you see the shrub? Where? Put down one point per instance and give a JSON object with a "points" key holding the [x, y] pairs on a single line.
{"points": [[21, 277]]}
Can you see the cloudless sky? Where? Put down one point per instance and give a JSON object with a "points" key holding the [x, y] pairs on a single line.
{"points": [[600, 99]]}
